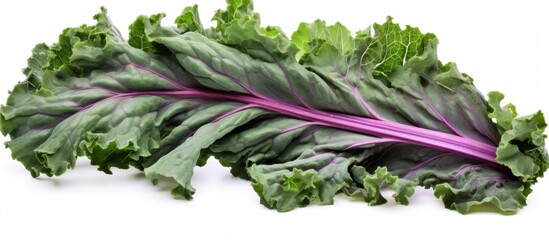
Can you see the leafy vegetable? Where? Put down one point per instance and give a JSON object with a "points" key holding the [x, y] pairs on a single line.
{"points": [[304, 118]]}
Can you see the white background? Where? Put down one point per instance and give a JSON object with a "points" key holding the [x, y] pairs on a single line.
{"points": [[502, 44]]}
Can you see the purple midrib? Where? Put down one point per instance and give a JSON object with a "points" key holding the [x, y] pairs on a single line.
{"points": [[377, 127], [395, 131]]}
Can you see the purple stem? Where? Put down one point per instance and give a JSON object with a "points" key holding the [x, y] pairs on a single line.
{"points": [[485, 151], [403, 133], [361, 120]]}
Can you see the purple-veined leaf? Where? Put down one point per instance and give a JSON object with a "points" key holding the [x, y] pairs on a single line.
{"points": [[304, 118]]}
